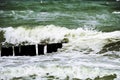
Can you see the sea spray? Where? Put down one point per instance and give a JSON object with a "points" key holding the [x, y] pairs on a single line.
{"points": [[35, 35], [84, 21], [78, 39]]}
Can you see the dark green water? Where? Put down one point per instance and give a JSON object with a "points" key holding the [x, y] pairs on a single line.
{"points": [[65, 13]]}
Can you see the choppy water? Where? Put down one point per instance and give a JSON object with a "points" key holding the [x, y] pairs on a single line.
{"points": [[90, 27], [101, 15], [60, 65]]}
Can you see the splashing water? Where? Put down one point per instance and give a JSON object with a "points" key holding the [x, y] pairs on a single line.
{"points": [[90, 54], [79, 39]]}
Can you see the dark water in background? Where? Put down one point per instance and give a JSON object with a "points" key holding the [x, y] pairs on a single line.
{"points": [[95, 14]]}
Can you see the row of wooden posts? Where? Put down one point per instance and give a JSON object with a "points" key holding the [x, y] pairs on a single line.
{"points": [[30, 50]]}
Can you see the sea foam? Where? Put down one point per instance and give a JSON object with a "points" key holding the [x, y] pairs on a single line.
{"points": [[79, 39]]}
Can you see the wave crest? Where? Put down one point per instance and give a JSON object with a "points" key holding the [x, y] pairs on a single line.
{"points": [[79, 39]]}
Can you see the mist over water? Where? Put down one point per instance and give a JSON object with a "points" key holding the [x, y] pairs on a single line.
{"points": [[91, 29]]}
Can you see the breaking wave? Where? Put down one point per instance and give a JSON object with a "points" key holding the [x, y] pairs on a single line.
{"points": [[78, 39]]}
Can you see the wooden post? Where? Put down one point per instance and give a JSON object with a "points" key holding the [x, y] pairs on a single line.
{"points": [[28, 50], [41, 49], [6, 51]]}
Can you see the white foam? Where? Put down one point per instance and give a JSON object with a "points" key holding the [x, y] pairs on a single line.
{"points": [[32, 15], [79, 39], [74, 65], [117, 0], [116, 12]]}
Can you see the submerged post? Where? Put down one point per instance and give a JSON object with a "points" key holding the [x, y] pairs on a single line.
{"points": [[28, 50], [41, 49], [53, 47], [17, 51], [6, 51], [50, 48], [59, 45]]}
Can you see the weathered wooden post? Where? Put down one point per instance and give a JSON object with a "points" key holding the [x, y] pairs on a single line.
{"points": [[6, 51], [17, 51], [50, 48], [59, 45], [28, 50], [41, 49], [53, 47]]}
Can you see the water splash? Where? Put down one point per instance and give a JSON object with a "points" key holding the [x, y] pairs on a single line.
{"points": [[79, 39]]}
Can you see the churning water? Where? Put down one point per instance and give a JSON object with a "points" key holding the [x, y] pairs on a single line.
{"points": [[91, 29]]}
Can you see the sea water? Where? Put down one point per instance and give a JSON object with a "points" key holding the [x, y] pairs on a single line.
{"points": [[91, 29]]}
